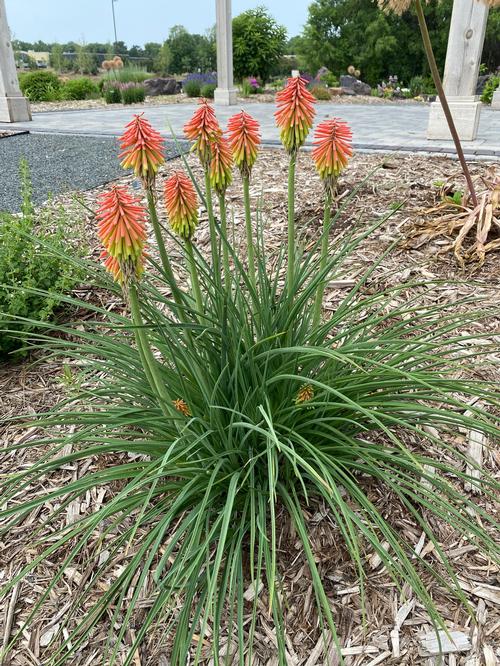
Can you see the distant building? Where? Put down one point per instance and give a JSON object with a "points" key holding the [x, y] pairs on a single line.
{"points": [[42, 58]]}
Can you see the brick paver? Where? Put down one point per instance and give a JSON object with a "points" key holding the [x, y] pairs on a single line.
{"points": [[375, 127]]}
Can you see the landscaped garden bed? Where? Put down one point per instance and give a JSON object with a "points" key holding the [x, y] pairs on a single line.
{"points": [[395, 620]]}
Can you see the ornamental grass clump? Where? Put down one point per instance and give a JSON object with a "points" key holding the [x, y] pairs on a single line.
{"points": [[212, 420]]}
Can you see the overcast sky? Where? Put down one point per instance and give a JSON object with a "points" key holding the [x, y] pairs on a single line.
{"points": [[138, 21]]}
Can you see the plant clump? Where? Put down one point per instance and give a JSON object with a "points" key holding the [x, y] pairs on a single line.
{"points": [[219, 411]]}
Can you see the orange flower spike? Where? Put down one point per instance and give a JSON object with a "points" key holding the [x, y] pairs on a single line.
{"points": [[121, 225], [142, 149], [114, 267], [181, 203], [244, 138], [221, 164], [295, 113], [333, 147], [203, 128]]}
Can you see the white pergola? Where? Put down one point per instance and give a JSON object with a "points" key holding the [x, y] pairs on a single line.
{"points": [[465, 44], [463, 57], [13, 106]]}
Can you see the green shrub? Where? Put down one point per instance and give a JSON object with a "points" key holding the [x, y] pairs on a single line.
{"points": [[192, 88], [32, 248], [330, 80], [491, 85], [208, 90], [321, 93], [132, 93], [82, 88], [112, 93], [40, 86], [417, 86]]}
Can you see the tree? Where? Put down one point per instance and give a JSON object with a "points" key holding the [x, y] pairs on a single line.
{"points": [[181, 47], [258, 43], [163, 59], [56, 57], [339, 33]]}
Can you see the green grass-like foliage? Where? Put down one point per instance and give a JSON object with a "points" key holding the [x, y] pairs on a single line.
{"points": [[192, 88], [129, 74], [133, 93], [40, 86], [80, 88], [196, 497], [208, 90], [35, 268], [491, 85], [321, 93]]}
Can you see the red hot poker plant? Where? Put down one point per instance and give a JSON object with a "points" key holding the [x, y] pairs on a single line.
{"points": [[122, 231], [294, 117], [295, 113], [142, 149], [332, 150], [203, 129], [221, 176], [181, 204], [244, 137]]}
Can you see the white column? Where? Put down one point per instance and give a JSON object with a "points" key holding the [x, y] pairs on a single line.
{"points": [[13, 106], [463, 57], [225, 93], [495, 102]]}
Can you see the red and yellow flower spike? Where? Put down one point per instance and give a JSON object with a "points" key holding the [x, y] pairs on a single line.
{"points": [[142, 149], [122, 231], [333, 147], [203, 128], [221, 163], [244, 137], [295, 113], [181, 203]]}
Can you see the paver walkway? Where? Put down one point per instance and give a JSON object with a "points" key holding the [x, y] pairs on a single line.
{"points": [[375, 127]]}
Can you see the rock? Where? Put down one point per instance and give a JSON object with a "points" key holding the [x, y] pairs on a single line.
{"points": [[347, 91], [162, 86], [335, 92], [348, 82]]}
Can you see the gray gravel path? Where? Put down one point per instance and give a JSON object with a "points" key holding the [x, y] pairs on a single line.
{"points": [[58, 163]]}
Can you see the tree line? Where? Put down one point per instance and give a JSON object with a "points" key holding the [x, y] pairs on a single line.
{"points": [[337, 34]]}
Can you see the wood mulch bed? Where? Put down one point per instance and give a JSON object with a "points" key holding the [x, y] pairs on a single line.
{"points": [[395, 621]]}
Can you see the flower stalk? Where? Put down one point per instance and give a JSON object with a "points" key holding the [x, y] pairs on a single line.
{"points": [[181, 204], [320, 290], [147, 358], [332, 150], [294, 117], [245, 140]]}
